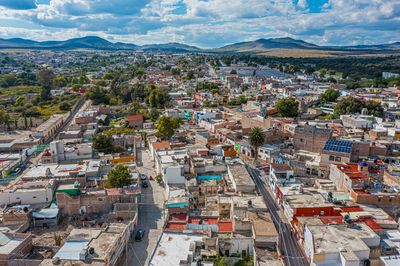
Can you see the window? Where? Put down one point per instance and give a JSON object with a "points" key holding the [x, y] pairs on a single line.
{"points": [[34, 197], [331, 158], [338, 159]]}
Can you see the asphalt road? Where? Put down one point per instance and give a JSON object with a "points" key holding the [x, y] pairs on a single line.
{"points": [[288, 245], [150, 217]]}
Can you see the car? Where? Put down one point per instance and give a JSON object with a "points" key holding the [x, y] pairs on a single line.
{"points": [[143, 177], [144, 184], [139, 235]]}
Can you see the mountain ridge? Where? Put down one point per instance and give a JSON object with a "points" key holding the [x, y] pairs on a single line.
{"points": [[259, 45]]}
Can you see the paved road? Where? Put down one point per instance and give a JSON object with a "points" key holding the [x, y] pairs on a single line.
{"points": [[150, 215], [287, 244]]}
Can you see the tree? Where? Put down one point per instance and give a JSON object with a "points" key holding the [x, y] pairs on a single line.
{"points": [[241, 99], [166, 126], [233, 72], [119, 176], [5, 118], [330, 95], [60, 82], [98, 96], [349, 105], [103, 143], [154, 114], [287, 107], [45, 78], [256, 139], [176, 71], [65, 106], [189, 75], [374, 108]]}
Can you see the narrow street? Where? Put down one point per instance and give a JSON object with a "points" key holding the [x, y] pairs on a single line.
{"points": [[288, 245], [150, 215]]}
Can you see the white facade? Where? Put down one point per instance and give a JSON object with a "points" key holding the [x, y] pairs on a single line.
{"points": [[36, 192]]}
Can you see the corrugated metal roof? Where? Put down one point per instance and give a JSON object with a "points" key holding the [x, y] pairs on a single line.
{"points": [[71, 249]]}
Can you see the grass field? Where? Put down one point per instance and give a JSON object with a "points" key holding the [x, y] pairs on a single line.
{"points": [[18, 90]]}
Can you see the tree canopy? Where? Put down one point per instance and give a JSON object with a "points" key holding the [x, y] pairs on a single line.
{"points": [[349, 105], [353, 105], [287, 107], [256, 139], [166, 126], [330, 95], [119, 176], [103, 143]]}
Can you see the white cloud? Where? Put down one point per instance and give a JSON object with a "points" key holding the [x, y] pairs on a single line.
{"points": [[209, 23]]}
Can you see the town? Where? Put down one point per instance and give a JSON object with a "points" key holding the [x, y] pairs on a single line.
{"points": [[195, 158]]}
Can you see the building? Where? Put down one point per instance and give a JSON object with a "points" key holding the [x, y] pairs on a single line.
{"points": [[357, 121], [280, 174], [49, 128], [340, 244], [135, 121], [116, 202], [311, 138], [240, 179], [14, 247], [349, 176], [95, 246], [28, 192]]}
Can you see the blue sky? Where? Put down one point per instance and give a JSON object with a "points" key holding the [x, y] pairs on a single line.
{"points": [[205, 23]]}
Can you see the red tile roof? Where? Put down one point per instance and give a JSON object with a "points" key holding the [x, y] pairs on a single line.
{"points": [[176, 226], [161, 145], [135, 118], [225, 227], [372, 224]]}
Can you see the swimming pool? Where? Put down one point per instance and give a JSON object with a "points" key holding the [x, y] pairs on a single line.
{"points": [[209, 177]]}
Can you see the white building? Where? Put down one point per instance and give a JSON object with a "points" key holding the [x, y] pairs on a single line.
{"points": [[32, 192], [339, 244]]}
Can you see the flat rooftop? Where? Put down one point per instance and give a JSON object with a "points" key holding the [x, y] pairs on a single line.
{"points": [[241, 175], [173, 248], [340, 238]]}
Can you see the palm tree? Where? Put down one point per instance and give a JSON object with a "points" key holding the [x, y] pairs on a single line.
{"points": [[256, 138]]}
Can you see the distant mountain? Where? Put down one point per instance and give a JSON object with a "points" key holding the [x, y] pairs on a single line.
{"points": [[171, 47], [89, 42], [265, 44], [257, 46]]}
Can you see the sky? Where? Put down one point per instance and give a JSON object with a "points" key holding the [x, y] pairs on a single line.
{"points": [[204, 23]]}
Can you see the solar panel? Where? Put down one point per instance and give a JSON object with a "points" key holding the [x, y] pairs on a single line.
{"points": [[338, 146]]}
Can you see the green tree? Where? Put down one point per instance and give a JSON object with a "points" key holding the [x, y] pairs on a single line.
{"points": [[45, 78], [119, 176], [256, 139], [349, 105], [20, 101], [166, 126], [189, 75], [176, 71], [98, 96], [154, 114], [60, 82], [65, 106], [103, 143], [374, 108], [287, 107], [330, 95], [241, 99]]}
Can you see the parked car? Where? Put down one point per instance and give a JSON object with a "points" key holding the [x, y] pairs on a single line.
{"points": [[143, 177], [144, 184], [139, 235]]}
